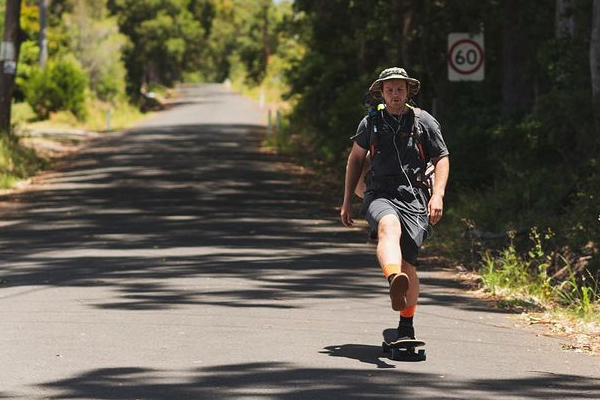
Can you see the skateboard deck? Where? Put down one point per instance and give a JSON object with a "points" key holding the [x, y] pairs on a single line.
{"points": [[402, 350]]}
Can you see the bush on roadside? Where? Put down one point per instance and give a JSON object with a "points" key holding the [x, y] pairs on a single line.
{"points": [[60, 87]]}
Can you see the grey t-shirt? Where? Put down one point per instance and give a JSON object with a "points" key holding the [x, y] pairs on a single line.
{"points": [[394, 149]]}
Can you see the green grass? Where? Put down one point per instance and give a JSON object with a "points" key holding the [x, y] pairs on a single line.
{"points": [[100, 117], [122, 115], [22, 113], [523, 278], [17, 162]]}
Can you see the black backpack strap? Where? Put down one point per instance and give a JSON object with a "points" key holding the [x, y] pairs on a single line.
{"points": [[373, 122], [428, 167], [418, 133]]}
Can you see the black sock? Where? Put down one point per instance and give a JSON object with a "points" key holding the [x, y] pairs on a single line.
{"points": [[408, 321]]}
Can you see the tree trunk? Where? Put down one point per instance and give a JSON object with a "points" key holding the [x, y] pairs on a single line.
{"points": [[9, 56], [266, 36], [517, 82], [406, 27], [565, 22], [595, 51], [43, 16]]}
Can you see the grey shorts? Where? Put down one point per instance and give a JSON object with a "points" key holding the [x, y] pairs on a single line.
{"points": [[414, 227]]}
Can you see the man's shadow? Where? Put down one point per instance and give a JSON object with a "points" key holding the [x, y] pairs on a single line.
{"points": [[368, 354]]}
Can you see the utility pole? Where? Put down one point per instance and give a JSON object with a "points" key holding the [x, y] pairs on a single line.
{"points": [[9, 56], [43, 16]]}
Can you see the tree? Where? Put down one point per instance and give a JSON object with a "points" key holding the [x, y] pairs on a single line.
{"points": [[240, 42], [565, 21], [165, 39], [595, 51], [43, 40], [8, 61], [518, 67], [266, 37], [95, 40], [2, 7]]}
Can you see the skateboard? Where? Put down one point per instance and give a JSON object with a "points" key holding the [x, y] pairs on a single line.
{"points": [[402, 350]]}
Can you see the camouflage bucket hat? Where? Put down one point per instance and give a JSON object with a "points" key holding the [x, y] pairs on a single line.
{"points": [[395, 73]]}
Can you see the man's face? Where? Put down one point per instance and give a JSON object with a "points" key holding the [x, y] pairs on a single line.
{"points": [[394, 94]]}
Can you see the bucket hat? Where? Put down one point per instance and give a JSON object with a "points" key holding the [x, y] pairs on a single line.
{"points": [[395, 73]]}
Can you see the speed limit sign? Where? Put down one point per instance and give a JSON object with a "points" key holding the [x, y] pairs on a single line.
{"points": [[465, 57]]}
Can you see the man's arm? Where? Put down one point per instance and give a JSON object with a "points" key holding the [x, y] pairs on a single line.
{"points": [[356, 158], [436, 203]]}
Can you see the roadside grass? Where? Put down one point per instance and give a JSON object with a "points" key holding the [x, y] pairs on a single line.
{"points": [[101, 117], [569, 304], [17, 162], [21, 158], [525, 278]]}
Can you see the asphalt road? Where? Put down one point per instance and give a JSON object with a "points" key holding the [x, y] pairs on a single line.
{"points": [[176, 261]]}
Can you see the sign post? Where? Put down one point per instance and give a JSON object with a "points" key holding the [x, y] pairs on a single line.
{"points": [[466, 57]]}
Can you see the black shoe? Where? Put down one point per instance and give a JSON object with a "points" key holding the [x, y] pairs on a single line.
{"points": [[406, 332]]}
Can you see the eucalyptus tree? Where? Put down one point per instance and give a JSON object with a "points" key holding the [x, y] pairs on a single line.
{"points": [[165, 38], [95, 40]]}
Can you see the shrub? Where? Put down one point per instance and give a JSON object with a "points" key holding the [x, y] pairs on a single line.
{"points": [[61, 86], [28, 61]]}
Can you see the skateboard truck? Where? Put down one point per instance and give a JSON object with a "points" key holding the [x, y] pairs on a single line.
{"points": [[405, 350]]}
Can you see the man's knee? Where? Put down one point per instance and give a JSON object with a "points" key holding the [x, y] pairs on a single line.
{"points": [[389, 227]]}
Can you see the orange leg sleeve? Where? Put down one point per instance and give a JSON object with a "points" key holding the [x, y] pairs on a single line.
{"points": [[390, 269], [408, 312]]}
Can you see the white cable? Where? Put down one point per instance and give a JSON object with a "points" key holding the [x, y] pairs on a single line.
{"points": [[425, 212]]}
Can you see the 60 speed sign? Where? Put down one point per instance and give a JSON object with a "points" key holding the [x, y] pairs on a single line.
{"points": [[465, 57]]}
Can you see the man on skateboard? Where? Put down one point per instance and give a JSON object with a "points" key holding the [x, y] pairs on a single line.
{"points": [[398, 202]]}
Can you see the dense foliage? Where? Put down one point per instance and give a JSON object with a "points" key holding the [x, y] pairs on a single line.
{"points": [[165, 38], [523, 143], [198, 40], [81, 32]]}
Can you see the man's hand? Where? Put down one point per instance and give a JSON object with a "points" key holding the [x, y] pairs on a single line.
{"points": [[436, 208], [356, 159], [436, 203], [346, 215]]}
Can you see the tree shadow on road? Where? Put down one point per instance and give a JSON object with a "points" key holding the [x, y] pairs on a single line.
{"points": [[287, 381], [139, 211]]}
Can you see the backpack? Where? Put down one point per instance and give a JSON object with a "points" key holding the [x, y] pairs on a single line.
{"points": [[373, 123]]}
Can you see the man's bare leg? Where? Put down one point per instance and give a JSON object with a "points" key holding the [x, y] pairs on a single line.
{"points": [[412, 295], [389, 255]]}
